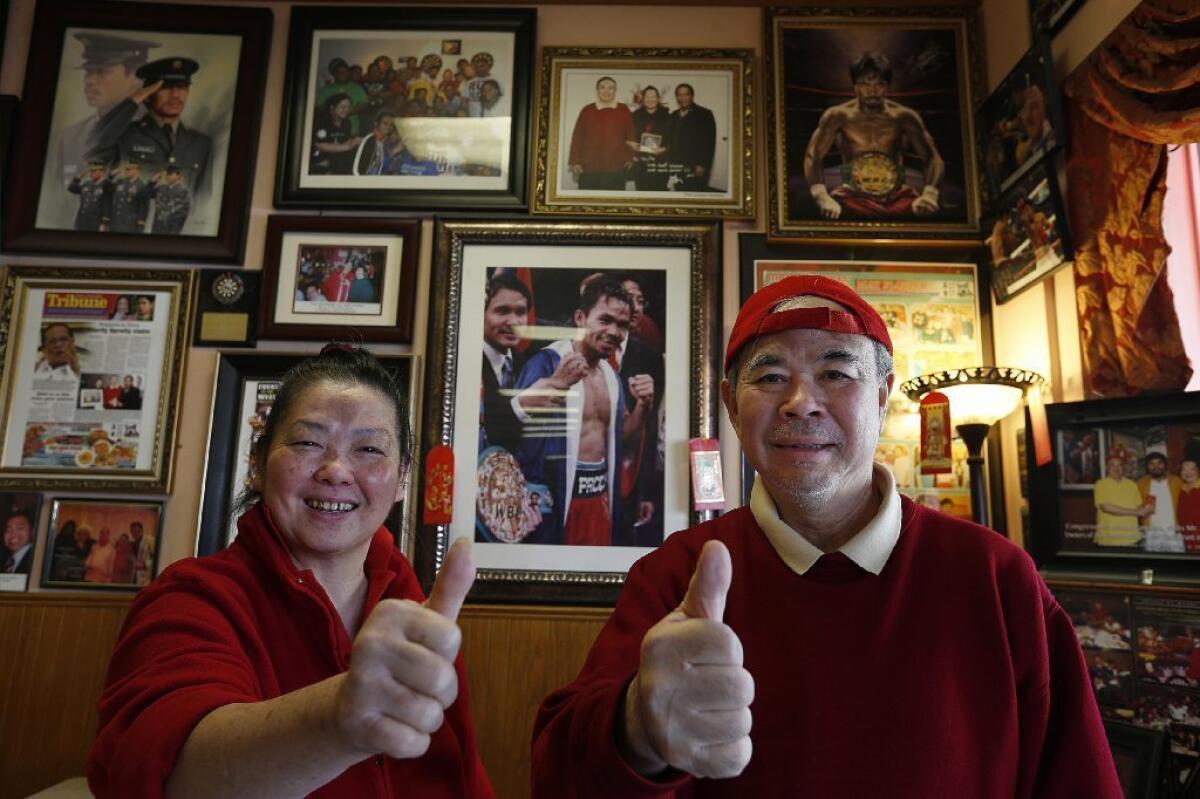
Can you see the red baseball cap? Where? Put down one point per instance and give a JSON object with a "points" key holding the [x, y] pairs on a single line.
{"points": [[759, 318]]}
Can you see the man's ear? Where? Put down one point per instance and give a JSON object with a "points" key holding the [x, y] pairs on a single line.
{"points": [[885, 391], [580, 318], [729, 398]]}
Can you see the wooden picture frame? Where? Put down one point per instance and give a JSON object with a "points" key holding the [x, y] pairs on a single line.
{"points": [[94, 361], [242, 394], [71, 189], [927, 56], [1139, 753], [326, 255], [698, 163], [20, 513], [1030, 237], [328, 159], [76, 561], [517, 521]]}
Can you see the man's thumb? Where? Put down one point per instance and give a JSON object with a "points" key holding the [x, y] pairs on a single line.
{"points": [[453, 581], [705, 597]]}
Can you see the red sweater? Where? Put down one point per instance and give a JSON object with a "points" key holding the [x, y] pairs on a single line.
{"points": [[243, 626], [952, 674], [598, 143]]}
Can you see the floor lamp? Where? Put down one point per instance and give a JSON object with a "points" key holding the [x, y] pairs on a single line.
{"points": [[979, 397]]}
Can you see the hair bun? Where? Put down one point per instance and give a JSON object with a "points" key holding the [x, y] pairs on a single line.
{"points": [[339, 348]]}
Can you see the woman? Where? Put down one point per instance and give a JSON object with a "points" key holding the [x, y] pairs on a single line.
{"points": [[1187, 511], [122, 311], [652, 132], [334, 141], [99, 564], [298, 661]]}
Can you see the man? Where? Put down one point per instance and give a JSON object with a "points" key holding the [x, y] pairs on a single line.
{"points": [[693, 140], [18, 540], [130, 202], [172, 201], [131, 395], [872, 135], [575, 424], [95, 194], [59, 359], [145, 308], [505, 312], [160, 138], [473, 89], [109, 66], [894, 651], [599, 157], [1160, 493], [143, 553], [375, 156]]}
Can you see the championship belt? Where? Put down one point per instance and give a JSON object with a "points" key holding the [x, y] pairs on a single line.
{"points": [[501, 500], [873, 174]]}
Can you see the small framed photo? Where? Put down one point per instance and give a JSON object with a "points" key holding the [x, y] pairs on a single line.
{"points": [[93, 543], [243, 394], [1141, 511], [557, 515], [1139, 754], [630, 132], [93, 367], [1029, 239], [324, 274], [871, 118], [1022, 122], [406, 108], [138, 131], [19, 523]]}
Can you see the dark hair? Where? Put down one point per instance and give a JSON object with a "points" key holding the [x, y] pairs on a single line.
{"points": [[334, 99], [70, 332], [23, 513], [338, 362], [607, 286], [604, 78], [1155, 456], [868, 63], [688, 86], [505, 280]]}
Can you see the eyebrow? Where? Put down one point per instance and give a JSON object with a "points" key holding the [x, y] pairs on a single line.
{"points": [[841, 355], [383, 431]]}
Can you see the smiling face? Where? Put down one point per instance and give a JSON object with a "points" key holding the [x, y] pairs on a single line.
{"points": [[1157, 467], [1114, 468], [1189, 471], [807, 407], [650, 98], [17, 532], [332, 471], [604, 326], [683, 97], [606, 90], [506, 311]]}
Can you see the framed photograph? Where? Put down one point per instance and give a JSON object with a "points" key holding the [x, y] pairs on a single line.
{"points": [[1138, 754], [1022, 122], [93, 366], [406, 108], [326, 277], [939, 318], [1141, 510], [871, 117], [1029, 239], [571, 364], [19, 523], [645, 132], [1052, 15], [243, 393], [138, 131], [99, 544]]}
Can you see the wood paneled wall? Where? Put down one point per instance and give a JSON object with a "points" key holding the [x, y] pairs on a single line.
{"points": [[56, 649]]}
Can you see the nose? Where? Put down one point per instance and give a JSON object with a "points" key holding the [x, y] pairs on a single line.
{"points": [[333, 469], [802, 398]]}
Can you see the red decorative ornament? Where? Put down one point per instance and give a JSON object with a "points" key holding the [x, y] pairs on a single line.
{"points": [[439, 485], [936, 433]]}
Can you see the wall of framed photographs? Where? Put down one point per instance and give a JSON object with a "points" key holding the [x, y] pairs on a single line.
{"points": [[1035, 329]]}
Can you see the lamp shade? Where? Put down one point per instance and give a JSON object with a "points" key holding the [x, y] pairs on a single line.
{"points": [[978, 395]]}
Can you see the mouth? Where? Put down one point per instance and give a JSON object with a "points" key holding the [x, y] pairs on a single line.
{"points": [[328, 506]]}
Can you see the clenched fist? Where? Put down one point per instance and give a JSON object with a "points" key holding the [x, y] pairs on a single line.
{"points": [[402, 676], [689, 704]]}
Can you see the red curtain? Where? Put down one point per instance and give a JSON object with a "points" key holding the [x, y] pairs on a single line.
{"points": [[1139, 92]]}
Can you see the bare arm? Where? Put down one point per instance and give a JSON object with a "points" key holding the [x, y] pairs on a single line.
{"points": [[820, 144], [922, 144], [1121, 510], [642, 388]]}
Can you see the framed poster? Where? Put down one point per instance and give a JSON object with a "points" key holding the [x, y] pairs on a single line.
{"points": [[870, 123], [243, 394], [325, 274], [938, 316], [514, 302], [99, 544], [1022, 122], [138, 131], [19, 524], [93, 366], [406, 108], [1029, 238], [651, 132], [1123, 493]]}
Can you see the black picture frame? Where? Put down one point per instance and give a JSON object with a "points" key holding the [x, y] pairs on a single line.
{"points": [[1062, 510], [755, 250], [1028, 94], [21, 232], [227, 436], [29, 505], [1029, 236], [1139, 753], [307, 22], [61, 570]]}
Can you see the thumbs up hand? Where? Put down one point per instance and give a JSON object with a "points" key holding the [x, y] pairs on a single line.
{"points": [[689, 704], [402, 676]]}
